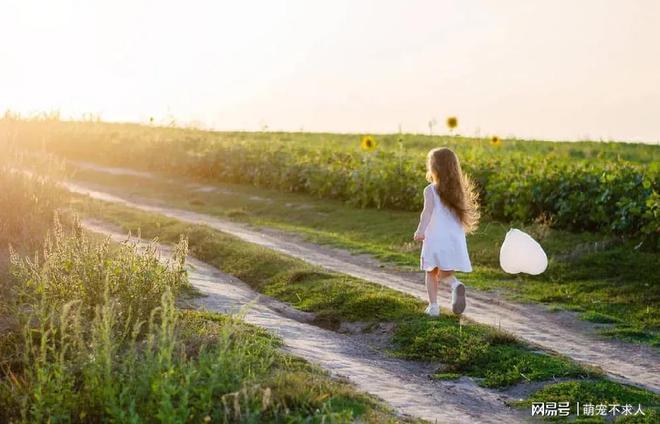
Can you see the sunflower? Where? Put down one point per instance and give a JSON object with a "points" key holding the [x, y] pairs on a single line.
{"points": [[495, 141], [368, 143], [452, 123]]}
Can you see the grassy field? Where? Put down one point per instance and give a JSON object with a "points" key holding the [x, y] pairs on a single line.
{"points": [[607, 187], [90, 332], [494, 358], [87, 133], [607, 279], [70, 357], [609, 274]]}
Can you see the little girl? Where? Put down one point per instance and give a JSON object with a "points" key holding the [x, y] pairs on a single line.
{"points": [[450, 211]]}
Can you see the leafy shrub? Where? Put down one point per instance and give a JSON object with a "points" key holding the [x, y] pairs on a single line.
{"points": [[89, 350], [75, 269]]}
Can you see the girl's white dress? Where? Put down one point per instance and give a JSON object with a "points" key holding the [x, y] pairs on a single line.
{"points": [[444, 243]]}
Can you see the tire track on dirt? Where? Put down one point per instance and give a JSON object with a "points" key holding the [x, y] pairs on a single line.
{"points": [[402, 384]]}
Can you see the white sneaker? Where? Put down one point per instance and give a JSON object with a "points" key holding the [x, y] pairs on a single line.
{"points": [[433, 310], [458, 298]]}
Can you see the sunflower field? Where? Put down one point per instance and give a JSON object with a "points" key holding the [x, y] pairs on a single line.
{"points": [[584, 186]]}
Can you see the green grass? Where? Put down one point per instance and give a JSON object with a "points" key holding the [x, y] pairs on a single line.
{"points": [[446, 376], [90, 359], [599, 318], [89, 332], [27, 210], [480, 352], [588, 273], [86, 360], [493, 357]]}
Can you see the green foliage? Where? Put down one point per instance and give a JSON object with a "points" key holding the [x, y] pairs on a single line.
{"points": [[582, 186], [89, 333], [227, 371], [72, 268], [587, 272], [495, 357], [87, 350], [27, 209], [614, 198], [334, 297]]}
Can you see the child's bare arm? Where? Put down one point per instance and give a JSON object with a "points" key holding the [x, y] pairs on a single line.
{"points": [[425, 217]]}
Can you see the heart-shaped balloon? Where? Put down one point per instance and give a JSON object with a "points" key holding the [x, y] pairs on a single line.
{"points": [[521, 253]]}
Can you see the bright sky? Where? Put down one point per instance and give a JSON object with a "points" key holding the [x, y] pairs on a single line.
{"points": [[553, 69]]}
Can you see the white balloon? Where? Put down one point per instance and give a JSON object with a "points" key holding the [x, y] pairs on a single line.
{"points": [[521, 253]]}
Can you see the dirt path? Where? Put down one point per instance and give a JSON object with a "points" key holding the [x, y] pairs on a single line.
{"points": [[560, 332], [402, 384]]}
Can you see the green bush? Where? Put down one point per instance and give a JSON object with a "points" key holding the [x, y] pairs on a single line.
{"points": [[99, 339], [576, 195], [615, 198], [73, 268]]}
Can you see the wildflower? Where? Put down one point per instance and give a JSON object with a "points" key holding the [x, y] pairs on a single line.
{"points": [[368, 143], [495, 141], [452, 123]]}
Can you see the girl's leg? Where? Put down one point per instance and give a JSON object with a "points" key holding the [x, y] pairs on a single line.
{"points": [[432, 289], [432, 285]]}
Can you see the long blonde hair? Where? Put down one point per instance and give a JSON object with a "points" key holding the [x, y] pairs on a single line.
{"points": [[455, 189]]}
